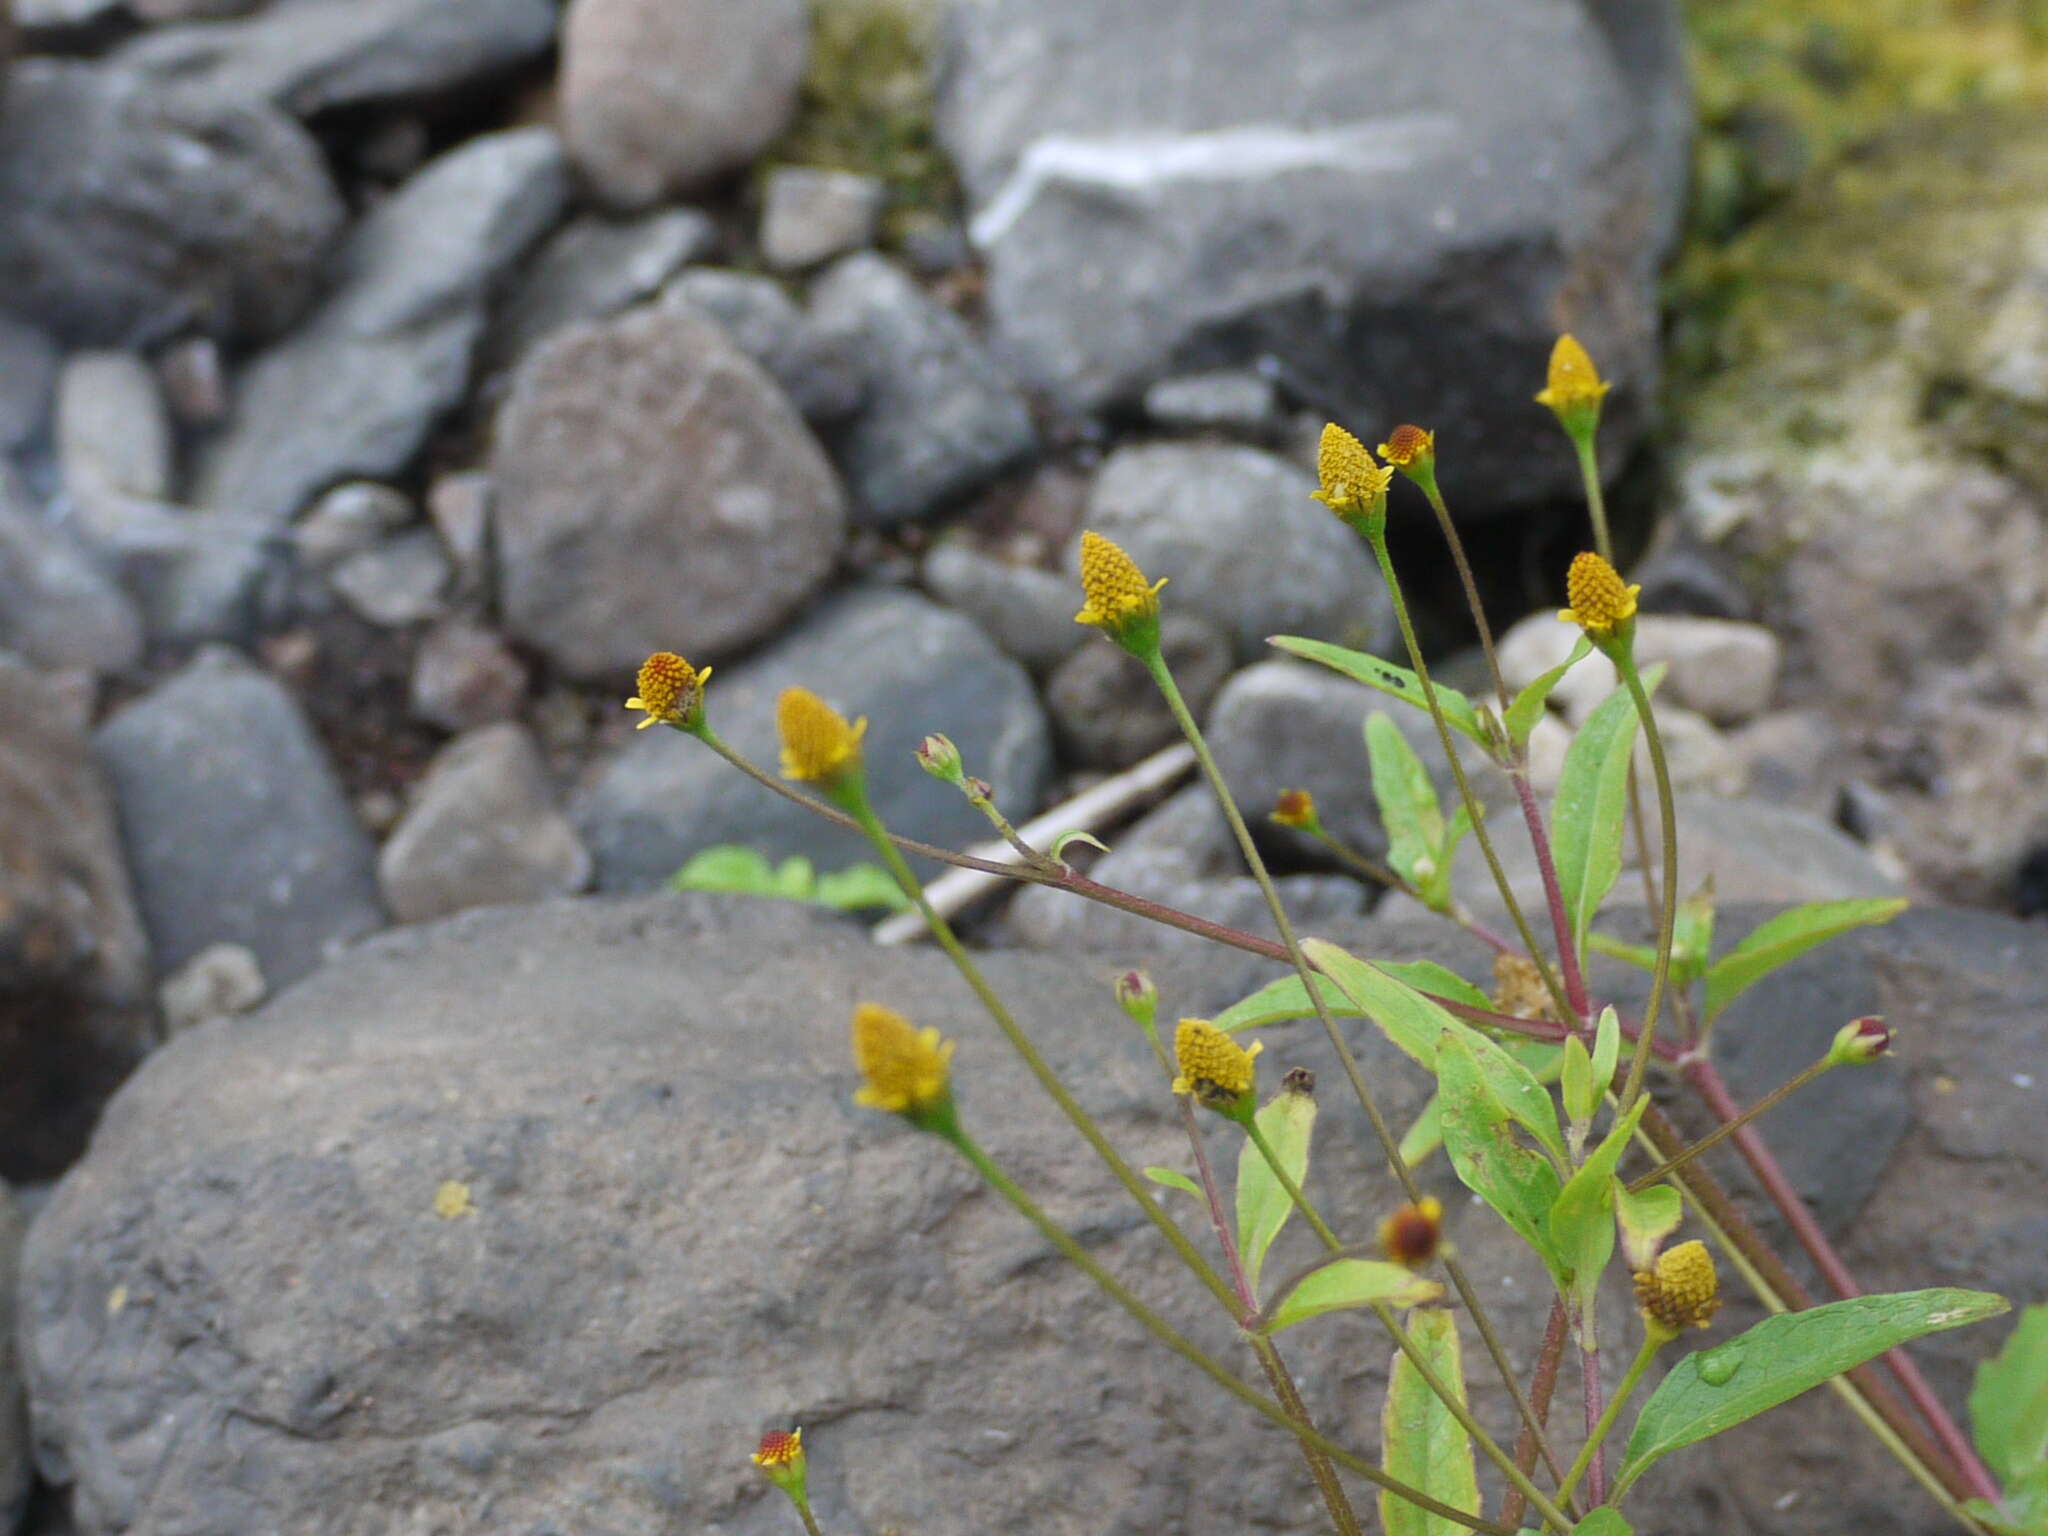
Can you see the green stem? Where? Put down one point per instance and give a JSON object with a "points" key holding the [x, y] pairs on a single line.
{"points": [[1390, 1145], [1601, 1430], [1021, 1044], [1452, 1401], [1596, 498], [1320, 1468], [1727, 1128], [810, 1520], [1008, 833], [1667, 920], [1471, 801], [1457, 546], [1166, 1334]]}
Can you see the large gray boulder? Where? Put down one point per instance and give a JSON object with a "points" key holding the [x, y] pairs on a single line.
{"points": [[133, 216], [16, 1467], [1395, 207], [354, 392], [534, 1219], [906, 664]]}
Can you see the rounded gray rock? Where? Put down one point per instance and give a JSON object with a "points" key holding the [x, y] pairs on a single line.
{"points": [[133, 214], [236, 829], [1107, 710], [482, 830], [655, 491], [661, 97], [909, 666], [1242, 544]]}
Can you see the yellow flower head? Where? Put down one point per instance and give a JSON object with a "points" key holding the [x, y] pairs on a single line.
{"points": [[778, 1449], [1408, 447], [818, 746], [1412, 1235], [1681, 1292], [671, 690], [1600, 601], [908, 1070], [1117, 593], [1296, 808], [1213, 1067], [1353, 484], [1574, 382]]}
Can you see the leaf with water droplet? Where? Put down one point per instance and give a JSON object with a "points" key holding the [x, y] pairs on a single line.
{"points": [[1780, 1358]]}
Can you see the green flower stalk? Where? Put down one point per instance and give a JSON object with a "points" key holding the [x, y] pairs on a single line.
{"points": [[1574, 391]]}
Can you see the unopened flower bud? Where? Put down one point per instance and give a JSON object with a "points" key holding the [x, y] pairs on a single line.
{"points": [[937, 756], [1137, 996], [1859, 1042]]}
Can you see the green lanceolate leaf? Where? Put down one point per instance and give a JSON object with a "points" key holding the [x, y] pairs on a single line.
{"points": [[1582, 1219], [1174, 1179], [1529, 703], [1346, 1284], [1645, 1221], [1421, 1443], [1388, 678], [1784, 939], [2009, 1403], [1604, 1521], [1642, 956], [1435, 980], [1581, 1098], [1715, 1389], [1606, 1047], [1409, 808], [1436, 890], [1591, 810], [1281, 1002], [1262, 1205], [860, 888], [1519, 1182], [1424, 1136], [1409, 1019]]}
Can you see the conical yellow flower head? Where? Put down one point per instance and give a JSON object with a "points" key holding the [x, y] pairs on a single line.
{"points": [[1408, 446], [778, 1449], [1115, 588], [1296, 808], [1213, 1067], [1682, 1291], [906, 1069], [1600, 601], [818, 746], [1574, 382], [671, 690], [1353, 483]]}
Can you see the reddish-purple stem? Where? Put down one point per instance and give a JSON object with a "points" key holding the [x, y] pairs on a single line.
{"points": [[1540, 1389], [1596, 1404], [1713, 1088], [1553, 893]]}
